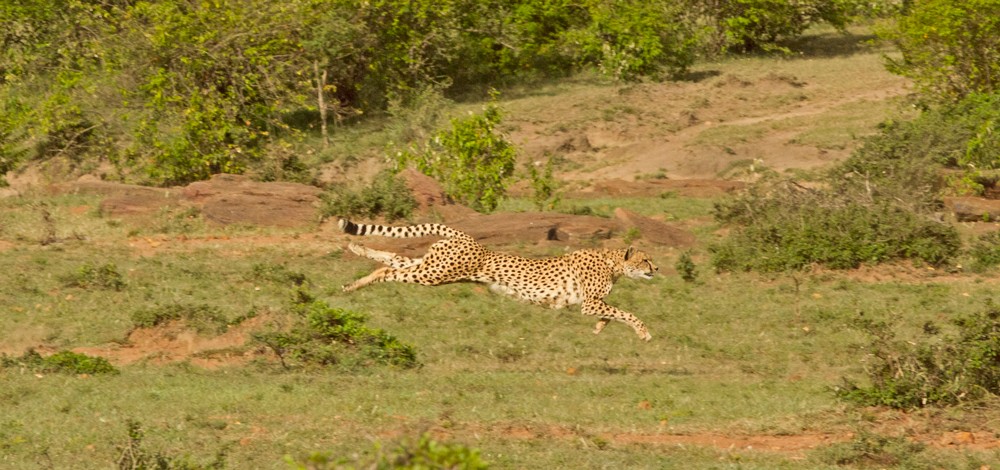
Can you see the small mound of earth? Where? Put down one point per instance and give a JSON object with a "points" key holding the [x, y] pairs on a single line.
{"points": [[175, 341]]}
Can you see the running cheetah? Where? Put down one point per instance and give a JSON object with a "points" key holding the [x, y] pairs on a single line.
{"points": [[581, 277]]}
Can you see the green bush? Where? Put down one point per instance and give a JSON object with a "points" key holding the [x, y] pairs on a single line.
{"points": [[906, 157], [782, 226], [66, 362], [544, 185], [948, 47], [386, 196], [473, 159], [631, 39], [203, 318], [423, 453], [985, 251], [954, 369], [92, 276], [686, 267], [325, 336]]}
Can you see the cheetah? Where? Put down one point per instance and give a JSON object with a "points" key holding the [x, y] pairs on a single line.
{"points": [[582, 277]]}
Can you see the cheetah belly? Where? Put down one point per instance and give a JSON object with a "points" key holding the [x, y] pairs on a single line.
{"points": [[551, 294]]}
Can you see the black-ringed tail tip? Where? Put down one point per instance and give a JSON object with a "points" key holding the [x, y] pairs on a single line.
{"points": [[348, 227]]}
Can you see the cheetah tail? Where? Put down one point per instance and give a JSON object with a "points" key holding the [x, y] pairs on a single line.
{"points": [[421, 230]]}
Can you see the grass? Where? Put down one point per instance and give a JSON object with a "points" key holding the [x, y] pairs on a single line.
{"points": [[668, 206], [740, 353]]}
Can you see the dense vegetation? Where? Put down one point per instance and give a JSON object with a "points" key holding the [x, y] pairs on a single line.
{"points": [[173, 91]]}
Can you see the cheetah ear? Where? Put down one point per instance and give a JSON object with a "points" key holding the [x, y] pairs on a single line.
{"points": [[629, 252]]}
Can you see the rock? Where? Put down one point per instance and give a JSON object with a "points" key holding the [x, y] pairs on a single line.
{"points": [[229, 199], [125, 199], [973, 209], [431, 198], [653, 230], [534, 227]]}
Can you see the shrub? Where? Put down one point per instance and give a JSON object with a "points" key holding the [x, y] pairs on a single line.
{"points": [[66, 362], [135, 456], [686, 267], [423, 453], [91, 276], [631, 39], [752, 25], [473, 159], [325, 335], [872, 450], [203, 318], [544, 185], [964, 367], [782, 226], [985, 251], [948, 47], [386, 196]]}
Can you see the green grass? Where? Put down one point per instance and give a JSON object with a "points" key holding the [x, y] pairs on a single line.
{"points": [[732, 353]]}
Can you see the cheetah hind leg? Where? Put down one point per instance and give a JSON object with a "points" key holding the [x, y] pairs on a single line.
{"points": [[377, 276], [384, 257]]}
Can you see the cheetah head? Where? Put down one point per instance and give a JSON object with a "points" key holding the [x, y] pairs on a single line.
{"points": [[638, 265]]}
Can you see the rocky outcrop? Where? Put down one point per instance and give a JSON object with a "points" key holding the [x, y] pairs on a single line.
{"points": [[233, 199]]}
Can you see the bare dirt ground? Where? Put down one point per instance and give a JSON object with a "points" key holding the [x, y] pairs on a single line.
{"points": [[698, 138]]}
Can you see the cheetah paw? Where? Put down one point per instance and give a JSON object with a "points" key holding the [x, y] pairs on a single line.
{"points": [[356, 249]]}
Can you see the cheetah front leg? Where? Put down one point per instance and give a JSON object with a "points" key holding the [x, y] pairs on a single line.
{"points": [[606, 313], [384, 257]]}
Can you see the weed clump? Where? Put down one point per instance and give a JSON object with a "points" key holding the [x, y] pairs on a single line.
{"points": [[134, 454], [874, 450], [277, 273], [92, 276], [386, 196], [203, 318], [964, 367], [423, 453], [65, 362], [985, 251], [325, 335]]}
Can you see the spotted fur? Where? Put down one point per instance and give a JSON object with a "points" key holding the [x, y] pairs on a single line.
{"points": [[582, 277]]}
